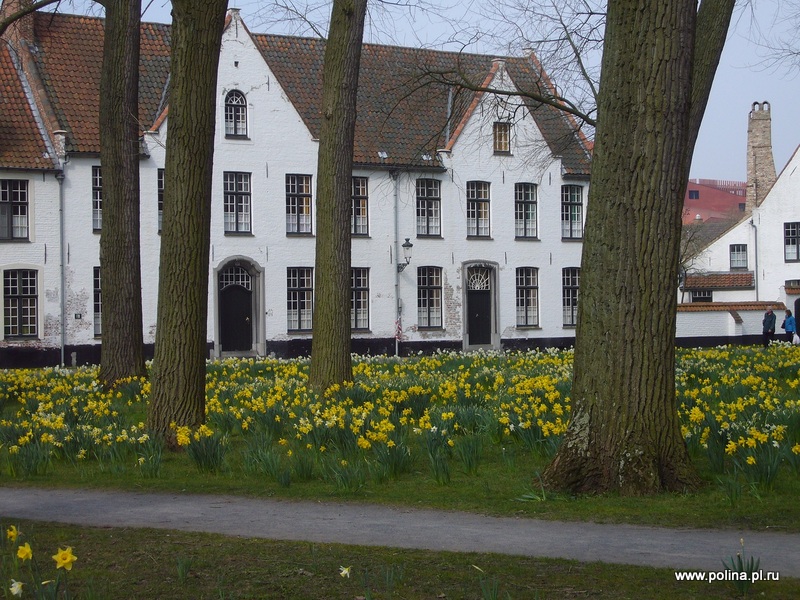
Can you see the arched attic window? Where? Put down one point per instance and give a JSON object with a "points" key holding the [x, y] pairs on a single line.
{"points": [[235, 114]]}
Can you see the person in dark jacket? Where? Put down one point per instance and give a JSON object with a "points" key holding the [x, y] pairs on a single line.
{"points": [[790, 326], [768, 326]]}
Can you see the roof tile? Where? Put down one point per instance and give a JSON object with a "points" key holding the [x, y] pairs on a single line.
{"points": [[21, 143]]}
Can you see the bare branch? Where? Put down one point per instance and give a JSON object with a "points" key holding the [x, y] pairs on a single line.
{"points": [[6, 22]]}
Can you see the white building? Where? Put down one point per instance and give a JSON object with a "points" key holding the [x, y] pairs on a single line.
{"points": [[490, 192], [746, 266]]}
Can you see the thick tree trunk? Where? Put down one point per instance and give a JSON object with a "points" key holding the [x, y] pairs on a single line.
{"points": [[330, 355], [120, 265], [178, 378], [624, 433]]}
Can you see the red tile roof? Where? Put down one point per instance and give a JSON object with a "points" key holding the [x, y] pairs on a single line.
{"points": [[21, 142], [403, 98], [69, 57], [731, 306], [719, 281], [402, 105]]}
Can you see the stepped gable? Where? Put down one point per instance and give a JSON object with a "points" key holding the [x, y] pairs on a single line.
{"points": [[22, 146], [69, 58]]}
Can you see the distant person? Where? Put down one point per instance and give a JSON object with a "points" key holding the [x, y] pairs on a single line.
{"points": [[790, 325], [768, 324]]}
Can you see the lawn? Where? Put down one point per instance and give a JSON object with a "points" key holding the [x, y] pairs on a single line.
{"points": [[452, 431]]}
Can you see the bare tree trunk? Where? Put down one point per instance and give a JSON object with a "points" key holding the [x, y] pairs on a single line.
{"points": [[120, 264], [179, 372], [624, 433], [330, 354]]}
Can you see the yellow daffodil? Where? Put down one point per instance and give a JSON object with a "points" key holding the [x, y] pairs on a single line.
{"points": [[11, 533], [344, 571], [24, 552], [64, 558]]}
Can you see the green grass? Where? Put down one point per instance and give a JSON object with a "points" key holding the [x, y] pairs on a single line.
{"points": [[120, 564], [503, 486], [325, 464]]}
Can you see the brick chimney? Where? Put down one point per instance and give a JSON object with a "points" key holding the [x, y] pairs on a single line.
{"points": [[760, 162]]}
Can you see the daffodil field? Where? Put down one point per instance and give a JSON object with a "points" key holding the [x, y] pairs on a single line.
{"points": [[739, 407]]}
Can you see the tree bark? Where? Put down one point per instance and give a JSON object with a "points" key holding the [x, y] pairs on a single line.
{"points": [[330, 352], [179, 365], [624, 434], [120, 264]]}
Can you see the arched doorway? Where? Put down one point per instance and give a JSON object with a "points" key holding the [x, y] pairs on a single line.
{"points": [[479, 308], [235, 309]]}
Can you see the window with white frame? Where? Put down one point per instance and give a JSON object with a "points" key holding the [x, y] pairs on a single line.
{"points": [[429, 207], [97, 198], [13, 209], [429, 297], [98, 303], [236, 202], [299, 298], [235, 114], [738, 256], [20, 303], [359, 215], [525, 210], [570, 280], [298, 204], [571, 211], [502, 137], [791, 241], [478, 209], [702, 296], [527, 297], [160, 196], [359, 303]]}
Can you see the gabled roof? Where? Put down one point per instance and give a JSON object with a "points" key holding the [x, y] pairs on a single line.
{"points": [[403, 107], [21, 142], [406, 94], [69, 55]]}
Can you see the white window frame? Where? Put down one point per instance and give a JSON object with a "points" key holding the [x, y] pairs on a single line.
{"points": [[527, 297], [235, 114], [237, 203], [571, 212], [478, 209], [526, 210], [359, 299], [299, 299], [14, 209]]}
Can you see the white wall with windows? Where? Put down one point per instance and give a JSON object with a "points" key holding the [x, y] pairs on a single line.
{"points": [[766, 243], [29, 258], [490, 262]]}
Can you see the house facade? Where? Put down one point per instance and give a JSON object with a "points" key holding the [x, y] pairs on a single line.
{"points": [[467, 207], [745, 266]]}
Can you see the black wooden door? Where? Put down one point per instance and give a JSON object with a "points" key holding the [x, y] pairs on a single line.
{"points": [[479, 319], [236, 310]]}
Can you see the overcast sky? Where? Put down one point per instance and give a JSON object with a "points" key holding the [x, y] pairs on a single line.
{"points": [[741, 79]]}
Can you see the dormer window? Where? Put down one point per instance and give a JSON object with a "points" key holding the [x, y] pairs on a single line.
{"points": [[235, 114], [502, 138]]}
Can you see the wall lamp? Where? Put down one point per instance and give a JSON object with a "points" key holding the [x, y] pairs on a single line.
{"points": [[407, 245]]}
